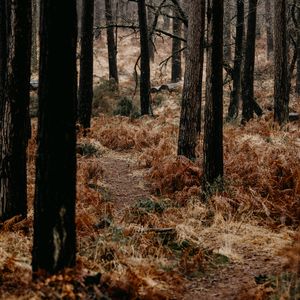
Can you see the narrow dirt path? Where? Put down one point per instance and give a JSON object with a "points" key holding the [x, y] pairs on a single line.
{"points": [[126, 184]]}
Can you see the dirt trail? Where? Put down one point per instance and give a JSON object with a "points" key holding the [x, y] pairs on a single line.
{"points": [[125, 183], [233, 281]]}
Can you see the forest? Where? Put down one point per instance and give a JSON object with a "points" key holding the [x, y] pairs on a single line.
{"points": [[150, 149]]}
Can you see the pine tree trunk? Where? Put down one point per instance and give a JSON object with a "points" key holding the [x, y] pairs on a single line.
{"points": [[190, 119], [54, 240], [281, 91], [233, 109], [213, 126], [14, 107], [249, 62], [227, 31], [111, 45], [145, 59], [85, 95], [151, 39], [176, 47], [269, 29], [298, 53]]}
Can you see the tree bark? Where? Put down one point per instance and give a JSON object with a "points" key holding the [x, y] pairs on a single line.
{"points": [[227, 31], [190, 118], [213, 126], [14, 106], [281, 91], [269, 29], [176, 48], [145, 59], [111, 45], [249, 62], [85, 95], [54, 240], [298, 53], [233, 109]]}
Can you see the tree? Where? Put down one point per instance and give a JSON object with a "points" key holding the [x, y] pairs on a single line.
{"points": [[111, 45], [213, 126], [15, 53], [85, 97], [145, 59], [176, 47], [248, 73], [227, 31], [190, 117], [54, 240], [233, 109], [298, 53], [269, 29], [281, 90]]}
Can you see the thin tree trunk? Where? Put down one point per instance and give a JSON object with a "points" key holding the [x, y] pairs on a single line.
{"points": [[269, 29], [227, 31], [145, 59], [176, 47], [54, 239], [281, 91], [85, 98], [249, 62], [14, 111], [111, 45], [213, 126], [233, 109], [298, 53], [190, 118]]}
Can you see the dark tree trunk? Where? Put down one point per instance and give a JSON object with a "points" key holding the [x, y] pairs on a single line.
{"points": [[85, 95], [145, 59], [190, 119], [151, 39], [227, 31], [269, 29], [14, 106], [111, 45], [233, 109], [248, 72], [298, 53], [213, 126], [176, 47], [281, 91], [54, 240]]}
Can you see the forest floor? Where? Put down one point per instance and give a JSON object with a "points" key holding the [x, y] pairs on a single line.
{"points": [[143, 231]]}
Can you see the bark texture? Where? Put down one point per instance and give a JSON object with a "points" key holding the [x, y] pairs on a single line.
{"points": [[54, 241], [281, 90], [15, 35], [145, 59], [249, 62], [213, 126], [233, 109], [85, 95], [190, 118]]}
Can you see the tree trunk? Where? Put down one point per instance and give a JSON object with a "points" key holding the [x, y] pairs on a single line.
{"points": [[213, 127], [227, 31], [249, 62], [190, 119], [145, 59], [151, 39], [281, 92], [269, 29], [85, 95], [111, 45], [233, 109], [54, 240], [176, 47], [14, 106], [298, 53]]}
